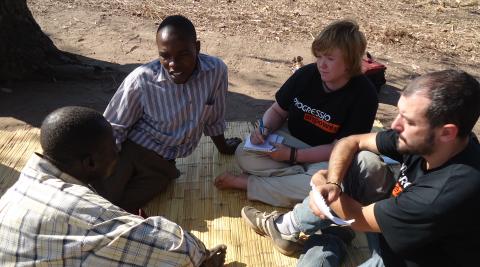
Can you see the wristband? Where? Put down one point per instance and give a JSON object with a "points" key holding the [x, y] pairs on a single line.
{"points": [[293, 155], [338, 185]]}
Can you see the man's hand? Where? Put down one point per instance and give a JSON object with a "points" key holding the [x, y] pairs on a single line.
{"points": [[330, 192], [314, 208], [231, 145], [281, 153]]}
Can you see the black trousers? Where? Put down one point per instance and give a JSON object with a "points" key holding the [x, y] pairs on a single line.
{"points": [[139, 176]]}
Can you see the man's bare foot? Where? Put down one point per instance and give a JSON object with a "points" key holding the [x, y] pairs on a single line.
{"points": [[228, 180], [216, 257]]}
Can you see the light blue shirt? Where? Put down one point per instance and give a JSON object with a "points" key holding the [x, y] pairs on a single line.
{"points": [[154, 112]]}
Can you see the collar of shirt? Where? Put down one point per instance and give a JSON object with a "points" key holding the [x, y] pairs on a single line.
{"points": [[162, 73], [41, 169]]}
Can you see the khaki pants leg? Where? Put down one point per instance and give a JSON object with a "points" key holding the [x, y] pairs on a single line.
{"points": [[260, 164], [139, 176], [283, 191], [368, 180], [277, 183]]}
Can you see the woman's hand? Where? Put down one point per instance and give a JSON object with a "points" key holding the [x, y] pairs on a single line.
{"points": [[281, 152], [257, 138]]}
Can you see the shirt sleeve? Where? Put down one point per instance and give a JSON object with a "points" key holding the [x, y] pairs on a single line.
{"points": [[215, 107], [154, 241], [362, 112], [124, 108], [387, 144]]}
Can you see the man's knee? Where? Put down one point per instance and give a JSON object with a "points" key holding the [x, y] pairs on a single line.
{"points": [[370, 165], [369, 179]]}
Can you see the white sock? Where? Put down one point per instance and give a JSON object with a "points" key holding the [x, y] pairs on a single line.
{"points": [[286, 224]]}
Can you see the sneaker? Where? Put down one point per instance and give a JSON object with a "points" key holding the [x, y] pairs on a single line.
{"points": [[264, 224]]}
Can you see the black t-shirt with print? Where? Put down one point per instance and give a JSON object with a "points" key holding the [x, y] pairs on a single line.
{"points": [[430, 220], [317, 117]]}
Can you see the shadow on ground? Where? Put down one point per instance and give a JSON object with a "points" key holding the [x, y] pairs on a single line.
{"points": [[389, 95], [30, 102], [235, 264]]}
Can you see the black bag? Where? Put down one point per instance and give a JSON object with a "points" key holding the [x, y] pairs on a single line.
{"points": [[374, 70]]}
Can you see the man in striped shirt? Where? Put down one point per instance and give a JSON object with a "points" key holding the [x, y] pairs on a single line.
{"points": [[160, 112], [50, 217]]}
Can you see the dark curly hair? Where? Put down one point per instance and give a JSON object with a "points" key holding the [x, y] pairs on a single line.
{"points": [[182, 24], [72, 133]]}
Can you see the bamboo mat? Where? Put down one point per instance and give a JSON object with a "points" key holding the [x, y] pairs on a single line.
{"points": [[214, 215], [192, 201], [16, 146]]}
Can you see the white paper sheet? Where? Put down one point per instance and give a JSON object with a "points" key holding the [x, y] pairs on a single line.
{"points": [[322, 206]]}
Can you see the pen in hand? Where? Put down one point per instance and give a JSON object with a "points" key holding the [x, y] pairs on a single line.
{"points": [[261, 126], [258, 136]]}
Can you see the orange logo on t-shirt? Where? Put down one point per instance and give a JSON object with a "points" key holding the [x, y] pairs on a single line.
{"points": [[324, 125], [397, 190], [401, 183]]}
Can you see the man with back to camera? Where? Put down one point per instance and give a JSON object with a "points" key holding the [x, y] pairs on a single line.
{"points": [[160, 111], [50, 216]]}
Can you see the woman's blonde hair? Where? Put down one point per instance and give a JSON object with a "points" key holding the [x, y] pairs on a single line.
{"points": [[346, 36]]}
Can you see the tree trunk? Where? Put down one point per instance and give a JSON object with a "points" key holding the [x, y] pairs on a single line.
{"points": [[25, 51]]}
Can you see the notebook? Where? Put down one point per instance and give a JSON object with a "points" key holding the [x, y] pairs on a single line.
{"points": [[266, 146]]}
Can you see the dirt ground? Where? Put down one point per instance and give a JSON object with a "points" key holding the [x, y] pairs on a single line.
{"points": [[256, 39]]}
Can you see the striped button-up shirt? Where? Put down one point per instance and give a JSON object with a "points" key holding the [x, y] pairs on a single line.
{"points": [[48, 218], [154, 112]]}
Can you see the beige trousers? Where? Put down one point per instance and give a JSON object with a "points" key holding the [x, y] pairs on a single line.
{"points": [[277, 183], [284, 185]]}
